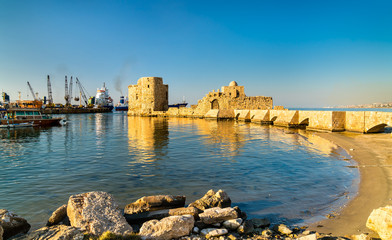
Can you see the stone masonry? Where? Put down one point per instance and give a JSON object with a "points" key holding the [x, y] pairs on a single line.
{"points": [[229, 98], [149, 95]]}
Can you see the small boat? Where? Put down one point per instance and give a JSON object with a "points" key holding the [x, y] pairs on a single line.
{"points": [[16, 125], [26, 115]]}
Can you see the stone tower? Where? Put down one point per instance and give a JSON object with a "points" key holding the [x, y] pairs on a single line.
{"points": [[150, 94]]}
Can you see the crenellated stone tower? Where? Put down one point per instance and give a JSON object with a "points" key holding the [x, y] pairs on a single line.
{"points": [[149, 95]]}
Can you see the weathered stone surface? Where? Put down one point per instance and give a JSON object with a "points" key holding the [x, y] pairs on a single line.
{"points": [[153, 203], [246, 227], [282, 229], [57, 232], [360, 237], [214, 232], [380, 221], [217, 215], [58, 216], [1, 232], [212, 199], [147, 216], [232, 224], [260, 223], [12, 224], [196, 230], [96, 212], [240, 213], [232, 237], [167, 228], [309, 237]]}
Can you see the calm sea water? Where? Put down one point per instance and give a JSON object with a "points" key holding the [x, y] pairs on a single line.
{"points": [[270, 172]]}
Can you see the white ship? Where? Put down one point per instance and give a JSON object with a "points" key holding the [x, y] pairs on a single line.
{"points": [[102, 99]]}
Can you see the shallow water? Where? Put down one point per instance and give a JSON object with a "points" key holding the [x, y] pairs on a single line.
{"points": [[270, 172]]}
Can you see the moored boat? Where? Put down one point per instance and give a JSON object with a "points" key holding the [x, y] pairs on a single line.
{"points": [[26, 115], [102, 99], [122, 105]]}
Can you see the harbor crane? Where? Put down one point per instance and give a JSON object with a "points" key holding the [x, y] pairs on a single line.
{"points": [[82, 91], [32, 92], [68, 92], [50, 97], [66, 96]]}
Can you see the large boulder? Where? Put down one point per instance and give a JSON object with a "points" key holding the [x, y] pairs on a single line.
{"points": [[58, 232], [218, 215], [153, 203], [58, 216], [96, 212], [167, 228], [380, 221], [212, 199], [12, 224]]}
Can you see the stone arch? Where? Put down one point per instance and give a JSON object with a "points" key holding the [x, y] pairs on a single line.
{"points": [[215, 104], [376, 129], [237, 93], [305, 122], [237, 116]]}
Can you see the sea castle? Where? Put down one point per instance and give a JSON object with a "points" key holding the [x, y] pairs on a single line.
{"points": [[149, 97]]}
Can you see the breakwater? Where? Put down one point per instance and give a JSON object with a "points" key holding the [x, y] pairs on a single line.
{"points": [[335, 121]]}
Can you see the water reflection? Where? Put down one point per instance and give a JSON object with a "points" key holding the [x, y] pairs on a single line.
{"points": [[148, 138], [19, 133], [225, 137]]}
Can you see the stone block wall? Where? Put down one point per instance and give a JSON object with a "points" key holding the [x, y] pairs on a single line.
{"points": [[149, 95], [230, 98]]}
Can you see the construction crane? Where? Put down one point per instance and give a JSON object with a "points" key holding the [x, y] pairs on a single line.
{"points": [[82, 91], [32, 92], [66, 96], [50, 97], [70, 91]]}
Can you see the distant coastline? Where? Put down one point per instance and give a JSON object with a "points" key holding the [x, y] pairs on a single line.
{"points": [[371, 105]]}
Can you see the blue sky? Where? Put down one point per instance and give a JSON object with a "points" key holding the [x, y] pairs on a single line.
{"points": [[302, 53]]}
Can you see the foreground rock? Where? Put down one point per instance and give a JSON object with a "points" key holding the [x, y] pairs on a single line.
{"points": [[96, 213], [58, 232], [214, 232], [12, 224], [147, 216], [380, 221], [218, 215], [1, 232], [153, 203], [212, 199], [167, 228], [58, 216]]}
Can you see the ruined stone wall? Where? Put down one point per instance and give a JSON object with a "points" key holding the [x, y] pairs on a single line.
{"points": [[231, 97], [150, 94]]}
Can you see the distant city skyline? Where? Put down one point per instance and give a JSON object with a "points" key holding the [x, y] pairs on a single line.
{"points": [[301, 53]]}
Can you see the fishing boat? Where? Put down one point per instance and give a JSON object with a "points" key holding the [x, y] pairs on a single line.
{"points": [[26, 115], [102, 99], [122, 105]]}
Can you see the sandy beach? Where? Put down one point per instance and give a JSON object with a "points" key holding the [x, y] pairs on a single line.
{"points": [[373, 153]]}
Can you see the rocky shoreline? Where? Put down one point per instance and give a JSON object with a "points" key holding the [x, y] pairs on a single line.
{"points": [[95, 215]]}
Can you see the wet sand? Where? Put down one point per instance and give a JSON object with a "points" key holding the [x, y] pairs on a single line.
{"points": [[373, 153]]}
